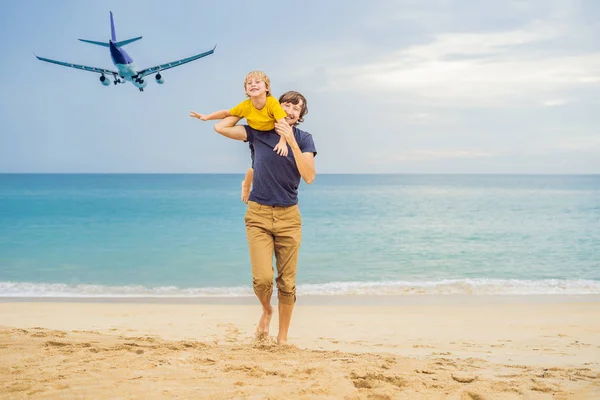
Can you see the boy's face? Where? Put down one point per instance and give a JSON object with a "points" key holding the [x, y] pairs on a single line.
{"points": [[293, 112], [255, 87]]}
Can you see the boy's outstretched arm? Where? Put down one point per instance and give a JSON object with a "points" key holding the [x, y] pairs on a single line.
{"points": [[215, 115], [228, 128]]}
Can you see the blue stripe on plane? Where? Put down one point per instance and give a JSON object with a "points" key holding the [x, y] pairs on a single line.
{"points": [[177, 63], [119, 56], [77, 66]]}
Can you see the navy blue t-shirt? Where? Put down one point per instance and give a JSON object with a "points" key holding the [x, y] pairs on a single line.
{"points": [[276, 178]]}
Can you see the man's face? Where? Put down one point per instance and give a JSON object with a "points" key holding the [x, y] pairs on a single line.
{"points": [[293, 112]]}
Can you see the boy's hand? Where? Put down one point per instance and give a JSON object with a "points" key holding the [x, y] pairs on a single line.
{"points": [[281, 148], [285, 131], [194, 114]]}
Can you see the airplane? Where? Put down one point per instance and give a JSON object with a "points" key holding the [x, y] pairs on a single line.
{"points": [[126, 69]]}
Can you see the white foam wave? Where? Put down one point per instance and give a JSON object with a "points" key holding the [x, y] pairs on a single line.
{"points": [[458, 286], [399, 288], [27, 289]]}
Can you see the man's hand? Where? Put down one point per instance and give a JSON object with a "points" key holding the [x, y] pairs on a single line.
{"points": [[194, 114], [284, 130]]}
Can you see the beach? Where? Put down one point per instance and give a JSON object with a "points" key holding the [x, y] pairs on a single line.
{"points": [[425, 347]]}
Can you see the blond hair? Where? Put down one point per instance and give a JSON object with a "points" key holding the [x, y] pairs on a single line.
{"points": [[261, 76]]}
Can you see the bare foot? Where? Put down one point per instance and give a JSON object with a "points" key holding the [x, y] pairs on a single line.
{"points": [[262, 330], [282, 341], [245, 191]]}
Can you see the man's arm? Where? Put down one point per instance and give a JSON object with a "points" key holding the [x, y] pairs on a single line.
{"points": [[305, 162], [228, 128]]}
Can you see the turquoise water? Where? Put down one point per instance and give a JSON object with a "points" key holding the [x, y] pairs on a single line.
{"points": [[183, 235]]}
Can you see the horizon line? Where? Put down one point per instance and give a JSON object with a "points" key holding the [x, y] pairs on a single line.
{"points": [[321, 173]]}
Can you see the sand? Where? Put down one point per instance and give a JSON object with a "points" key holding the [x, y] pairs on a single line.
{"points": [[422, 348]]}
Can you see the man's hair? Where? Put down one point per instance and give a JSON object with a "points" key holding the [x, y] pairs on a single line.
{"points": [[260, 76], [294, 98]]}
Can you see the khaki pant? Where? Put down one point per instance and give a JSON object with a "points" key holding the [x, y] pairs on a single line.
{"points": [[274, 230]]}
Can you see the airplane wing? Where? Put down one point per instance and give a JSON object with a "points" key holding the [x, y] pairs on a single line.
{"points": [[174, 64], [82, 67]]}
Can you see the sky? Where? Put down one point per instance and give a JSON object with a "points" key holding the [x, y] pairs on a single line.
{"points": [[393, 86]]}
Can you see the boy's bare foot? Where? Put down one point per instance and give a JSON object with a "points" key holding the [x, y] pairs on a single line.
{"points": [[262, 330], [245, 191]]}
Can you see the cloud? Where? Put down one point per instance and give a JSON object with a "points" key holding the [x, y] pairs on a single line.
{"points": [[555, 102], [576, 142], [490, 68], [423, 116]]}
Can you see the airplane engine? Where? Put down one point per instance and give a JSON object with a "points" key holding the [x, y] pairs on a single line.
{"points": [[104, 80], [159, 79]]}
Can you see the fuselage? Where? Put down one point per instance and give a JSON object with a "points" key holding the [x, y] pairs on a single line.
{"points": [[123, 62]]}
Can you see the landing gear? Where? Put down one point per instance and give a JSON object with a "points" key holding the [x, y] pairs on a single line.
{"points": [[117, 80], [141, 83]]}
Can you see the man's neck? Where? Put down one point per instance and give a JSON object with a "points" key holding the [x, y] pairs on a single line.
{"points": [[259, 101]]}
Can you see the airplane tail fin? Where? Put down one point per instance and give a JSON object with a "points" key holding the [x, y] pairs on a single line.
{"points": [[112, 28], [113, 37]]}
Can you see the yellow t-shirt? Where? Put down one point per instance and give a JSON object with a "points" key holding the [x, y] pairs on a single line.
{"points": [[263, 119]]}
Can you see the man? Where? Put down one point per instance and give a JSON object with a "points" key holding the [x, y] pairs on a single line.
{"points": [[273, 224]]}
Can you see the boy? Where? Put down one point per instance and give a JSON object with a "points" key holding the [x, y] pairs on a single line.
{"points": [[261, 110]]}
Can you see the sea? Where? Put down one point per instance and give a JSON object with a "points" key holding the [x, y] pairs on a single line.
{"points": [[183, 235]]}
